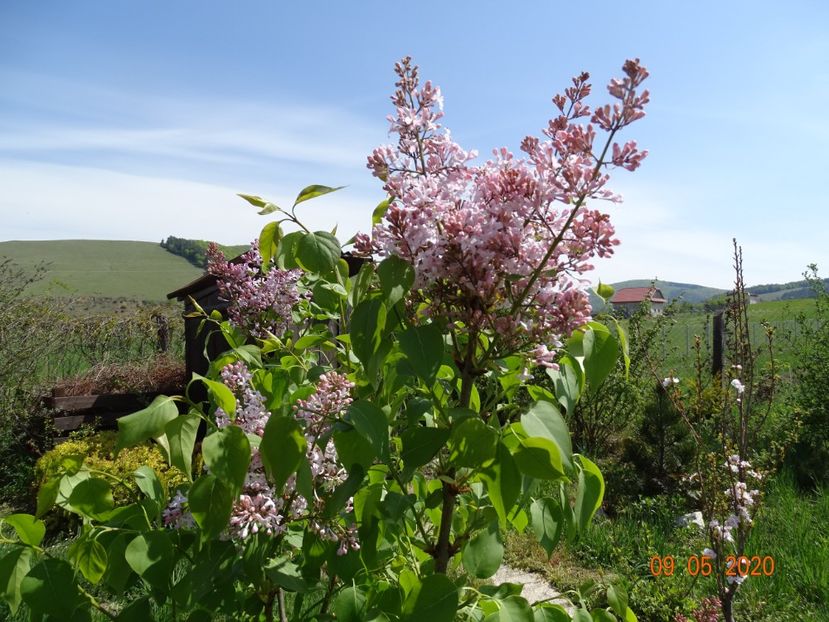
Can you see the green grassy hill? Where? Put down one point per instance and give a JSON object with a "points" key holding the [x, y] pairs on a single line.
{"points": [[102, 268]]}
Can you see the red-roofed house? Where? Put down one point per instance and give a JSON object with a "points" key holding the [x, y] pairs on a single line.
{"points": [[627, 300]]}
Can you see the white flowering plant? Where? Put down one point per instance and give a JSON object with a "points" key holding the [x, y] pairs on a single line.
{"points": [[362, 451], [726, 420]]}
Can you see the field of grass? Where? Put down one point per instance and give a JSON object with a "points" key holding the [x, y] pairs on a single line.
{"points": [[678, 349], [102, 268]]}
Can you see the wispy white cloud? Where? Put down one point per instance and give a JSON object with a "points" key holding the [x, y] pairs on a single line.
{"points": [[45, 201], [144, 166], [220, 130], [661, 238]]}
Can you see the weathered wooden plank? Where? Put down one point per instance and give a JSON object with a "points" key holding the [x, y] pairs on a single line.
{"points": [[125, 402]]}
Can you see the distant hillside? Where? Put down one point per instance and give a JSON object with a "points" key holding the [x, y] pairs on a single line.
{"points": [[195, 251], [112, 269], [687, 292], [784, 291]]}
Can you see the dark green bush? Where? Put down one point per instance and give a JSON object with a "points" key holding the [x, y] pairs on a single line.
{"points": [[808, 458]]}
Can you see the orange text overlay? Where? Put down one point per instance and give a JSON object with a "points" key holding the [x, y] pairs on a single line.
{"points": [[742, 566]]}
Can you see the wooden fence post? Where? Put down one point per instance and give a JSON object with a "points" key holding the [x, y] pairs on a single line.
{"points": [[717, 344]]}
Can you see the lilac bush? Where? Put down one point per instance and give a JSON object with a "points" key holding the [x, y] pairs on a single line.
{"points": [[364, 447]]}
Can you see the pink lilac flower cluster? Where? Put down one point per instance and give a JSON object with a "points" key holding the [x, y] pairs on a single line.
{"points": [[177, 515], [502, 246], [259, 303], [318, 412], [251, 414], [260, 508], [708, 611]]}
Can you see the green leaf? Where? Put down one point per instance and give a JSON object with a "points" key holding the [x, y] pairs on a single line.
{"points": [[222, 395], [50, 589], [600, 354], [181, 439], [550, 613], [269, 242], [622, 337], [581, 615], [420, 445], [546, 520], [137, 611], [147, 423], [362, 283], [513, 609], [503, 483], [13, 567], [90, 557], [67, 484], [539, 458], [435, 599], [286, 573], [472, 443], [328, 296], [318, 252], [604, 291], [29, 529], [309, 341], [380, 211], [567, 382], [350, 604], [211, 503], [337, 500], [150, 555], [602, 615], [286, 253], [353, 448], [590, 492], [314, 191], [118, 575], [47, 495], [227, 455], [396, 278], [282, 448], [367, 323], [372, 425], [423, 346], [483, 554], [92, 497], [617, 598], [544, 420], [266, 206], [149, 484], [254, 200]]}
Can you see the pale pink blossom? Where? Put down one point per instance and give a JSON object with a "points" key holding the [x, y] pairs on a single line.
{"points": [[502, 247]]}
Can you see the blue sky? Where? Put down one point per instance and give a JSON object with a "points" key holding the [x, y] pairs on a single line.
{"points": [[139, 120]]}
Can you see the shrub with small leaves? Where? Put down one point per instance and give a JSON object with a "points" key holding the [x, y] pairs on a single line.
{"points": [[100, 455]]}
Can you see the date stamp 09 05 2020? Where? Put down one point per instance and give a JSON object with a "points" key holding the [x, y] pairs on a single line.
{"points": [[742, 566]]}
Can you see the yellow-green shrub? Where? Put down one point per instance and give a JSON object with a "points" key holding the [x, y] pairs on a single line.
{"points": [[99, 454]]}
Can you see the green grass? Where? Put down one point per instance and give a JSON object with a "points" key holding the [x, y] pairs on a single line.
{"points": [[678, 350], [103, 268], [792, 527]]}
